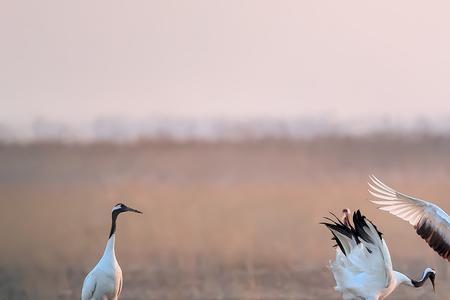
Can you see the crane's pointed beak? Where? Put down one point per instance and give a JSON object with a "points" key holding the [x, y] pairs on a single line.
{"points": [[134, 210], [432, 276]]}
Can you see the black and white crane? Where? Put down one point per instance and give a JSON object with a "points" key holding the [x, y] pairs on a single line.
{"points": [[363, 268], [428, 219], [104, 282]]}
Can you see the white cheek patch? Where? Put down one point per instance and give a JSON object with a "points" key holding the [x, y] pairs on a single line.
{"points": [[116, 207]]}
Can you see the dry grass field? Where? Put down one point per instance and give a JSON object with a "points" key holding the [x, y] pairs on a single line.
{"points": [[222, 220]]}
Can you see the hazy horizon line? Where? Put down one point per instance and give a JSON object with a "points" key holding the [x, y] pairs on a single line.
{"points": [[122, 129]]}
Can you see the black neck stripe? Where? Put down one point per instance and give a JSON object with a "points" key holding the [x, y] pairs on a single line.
{"points": [[420, 282], [114, 215]]}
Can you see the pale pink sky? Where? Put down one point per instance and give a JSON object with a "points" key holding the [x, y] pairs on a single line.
{"points": [[78, 60]]}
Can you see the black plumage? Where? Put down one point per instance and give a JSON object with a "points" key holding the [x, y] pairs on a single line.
{"points": [[356, 232]]}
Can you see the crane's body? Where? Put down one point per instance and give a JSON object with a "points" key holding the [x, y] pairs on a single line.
{"points": [[105, 280], [363, 268]]}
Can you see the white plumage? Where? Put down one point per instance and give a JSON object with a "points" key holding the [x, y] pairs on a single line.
{"points": [[363, 268], [104, 282], [429, 220]]}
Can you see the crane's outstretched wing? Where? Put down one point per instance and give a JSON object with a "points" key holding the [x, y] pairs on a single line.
{"points": [[429, 220]]}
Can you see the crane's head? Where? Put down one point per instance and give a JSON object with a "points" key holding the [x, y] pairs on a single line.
{"points": [[346, 217], [120, 208], [428, 273], [431, 273]]}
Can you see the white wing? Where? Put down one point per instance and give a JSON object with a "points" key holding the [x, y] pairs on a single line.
{"points": [[429, 220], [364, 269], [380, 264], [89, 285]]}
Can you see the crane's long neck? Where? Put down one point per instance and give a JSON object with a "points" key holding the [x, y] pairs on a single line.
{"points": [[420, 282], [110, 245], [403, 279], [109, 249], [113, 223]]}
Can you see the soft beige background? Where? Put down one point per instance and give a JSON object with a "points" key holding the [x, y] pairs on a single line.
{"points": [[221, 220], [78, 60]]}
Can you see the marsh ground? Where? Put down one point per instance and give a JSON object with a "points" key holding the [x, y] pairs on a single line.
{"points": [[222, 220]]}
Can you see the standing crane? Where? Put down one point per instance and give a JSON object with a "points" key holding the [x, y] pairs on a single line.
{"points": [[104, 282]]}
